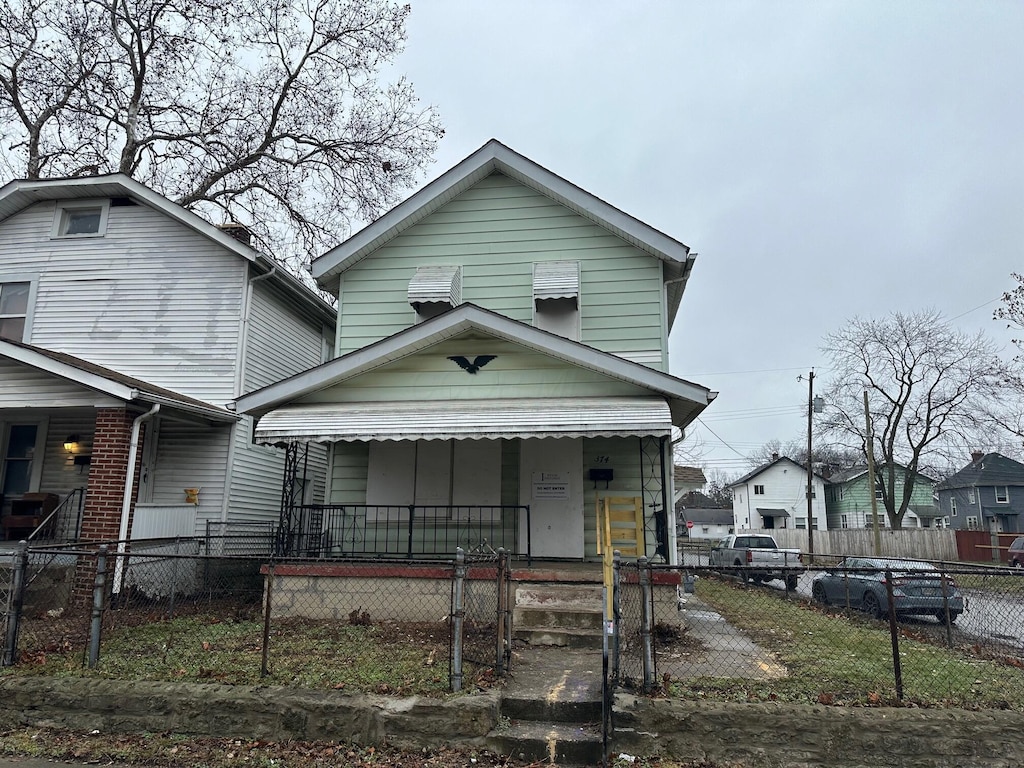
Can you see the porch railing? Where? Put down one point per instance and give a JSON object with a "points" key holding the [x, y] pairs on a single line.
{"points": [[64, 523], [326, 531]]}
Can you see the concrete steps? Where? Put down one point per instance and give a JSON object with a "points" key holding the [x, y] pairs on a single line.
{"points": [[551, 708], [564, 615]]}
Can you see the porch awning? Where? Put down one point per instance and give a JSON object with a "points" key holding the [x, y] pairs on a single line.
{"points": [[772, 512], [467, 420]]}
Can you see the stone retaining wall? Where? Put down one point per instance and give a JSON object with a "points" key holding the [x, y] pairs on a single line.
{"points": [[736, 735], [803, 736], [273, 713]]}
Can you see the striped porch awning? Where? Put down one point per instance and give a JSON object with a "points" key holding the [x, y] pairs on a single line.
{"points": [[466, 420]]}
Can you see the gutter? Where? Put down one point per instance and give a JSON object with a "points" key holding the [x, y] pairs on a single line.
{"points": [[126, 502]]}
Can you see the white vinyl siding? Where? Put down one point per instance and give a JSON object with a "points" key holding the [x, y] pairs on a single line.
{"points": [[151, 299], [60, 474], [191, 456], [280, 343], [25, 387], [496, 231]]}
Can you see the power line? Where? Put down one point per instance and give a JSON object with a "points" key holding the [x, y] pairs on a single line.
{"points": [[709, 429]]}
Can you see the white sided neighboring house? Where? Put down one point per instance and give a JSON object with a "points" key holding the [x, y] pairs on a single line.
{"points": [[775, 496], [127, 326]]}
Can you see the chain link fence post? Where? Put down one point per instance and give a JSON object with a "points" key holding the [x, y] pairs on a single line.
{"points": [[894, 633], [15, 602], [98, 600], [458, 614], [502, 611], [616, 613], [265, 659], [647, 622]]}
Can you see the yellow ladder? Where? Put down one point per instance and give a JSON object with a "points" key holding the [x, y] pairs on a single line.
{"points": [[620, 525]]}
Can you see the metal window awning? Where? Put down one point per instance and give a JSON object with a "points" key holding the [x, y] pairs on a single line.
{"points": [[441, 284], [764, 512], [467, 420], [556, 280]]}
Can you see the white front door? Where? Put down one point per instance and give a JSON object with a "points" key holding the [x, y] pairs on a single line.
{"points": [[551, 482]]}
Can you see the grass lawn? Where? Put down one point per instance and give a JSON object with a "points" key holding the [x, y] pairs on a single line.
{"points": [[839, 659]]}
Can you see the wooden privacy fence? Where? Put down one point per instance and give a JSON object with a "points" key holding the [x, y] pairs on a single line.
{"points": [[919, 543]]}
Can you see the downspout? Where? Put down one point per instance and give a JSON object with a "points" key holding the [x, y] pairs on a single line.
{"points": [[126, 503]]}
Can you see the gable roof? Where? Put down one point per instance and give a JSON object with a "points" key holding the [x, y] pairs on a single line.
{"points": [[495, 157], [707, 515], [838, 478], [686, 399], [19, 194], [764, 467], [110, 382], [990, 469], [689, 475]]}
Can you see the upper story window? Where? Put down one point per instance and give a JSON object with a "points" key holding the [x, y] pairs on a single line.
{"points": [[759, 490], [1002, 494], [81, 218], [952, 506], [842, 493], [434, 290], [970, 495], [878, 491], [556, 298], [14, 310]]}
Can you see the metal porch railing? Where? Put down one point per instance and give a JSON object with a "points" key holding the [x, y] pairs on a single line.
{"points": [[327, 531]]}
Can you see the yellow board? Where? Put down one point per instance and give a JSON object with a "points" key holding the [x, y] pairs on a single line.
{"points": [[620, 526]]}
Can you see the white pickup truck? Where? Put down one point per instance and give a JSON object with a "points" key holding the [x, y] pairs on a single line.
{"points": [[757, 557]]}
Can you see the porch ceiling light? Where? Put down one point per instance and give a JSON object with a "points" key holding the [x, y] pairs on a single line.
{"points": [[71, 443]]}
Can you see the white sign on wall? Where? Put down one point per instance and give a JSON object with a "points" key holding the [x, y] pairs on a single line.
{"points": [[550, 485]]}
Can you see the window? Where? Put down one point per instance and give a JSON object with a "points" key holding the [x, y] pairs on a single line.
{"points": [[801, 522], [1002, 494], [844, 521], [13, 310], [556, 291], [970, 495], [86, 218], [19, 474], [972, 523], [434, 290], [878, 491], [952, 506], [842, 493], [759, 490]]}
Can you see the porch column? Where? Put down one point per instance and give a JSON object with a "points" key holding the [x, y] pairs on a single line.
{"points": [[108, 470], [101, 518]]}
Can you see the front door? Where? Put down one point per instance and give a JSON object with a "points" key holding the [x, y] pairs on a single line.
{"points": [[551, 482]]}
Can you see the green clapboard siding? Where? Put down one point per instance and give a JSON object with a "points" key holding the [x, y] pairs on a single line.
{"points": [[515, 373], [496, 231]]}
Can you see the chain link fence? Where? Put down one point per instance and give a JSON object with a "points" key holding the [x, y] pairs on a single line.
{"points": [[853, 631], [170, 610]]}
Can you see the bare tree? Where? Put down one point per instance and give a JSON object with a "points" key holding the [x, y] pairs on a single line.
{"points": [[926, 383], [270, 114], [827, 458], [717, 486]]}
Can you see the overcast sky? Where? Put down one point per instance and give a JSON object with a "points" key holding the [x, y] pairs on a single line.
{"points": [[824, 159]]}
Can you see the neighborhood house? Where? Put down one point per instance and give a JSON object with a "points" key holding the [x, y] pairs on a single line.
{"points": [[127, 327], [501, 376]]}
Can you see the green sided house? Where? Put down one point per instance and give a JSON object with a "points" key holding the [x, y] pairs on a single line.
{"points": [[501, 368]]}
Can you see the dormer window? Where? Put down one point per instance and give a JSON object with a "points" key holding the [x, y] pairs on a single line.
{"points": [[87, 218], [434, 290], [556, 297]]}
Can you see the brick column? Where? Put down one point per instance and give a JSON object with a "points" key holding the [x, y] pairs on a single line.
{"points": [[101, 518]]}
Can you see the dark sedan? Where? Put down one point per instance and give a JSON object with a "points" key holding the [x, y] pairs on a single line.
{"points": [[917, 588]]}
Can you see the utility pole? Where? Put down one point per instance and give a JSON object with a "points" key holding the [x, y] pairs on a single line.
{"points": [[810, 469], [869, 439]]}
